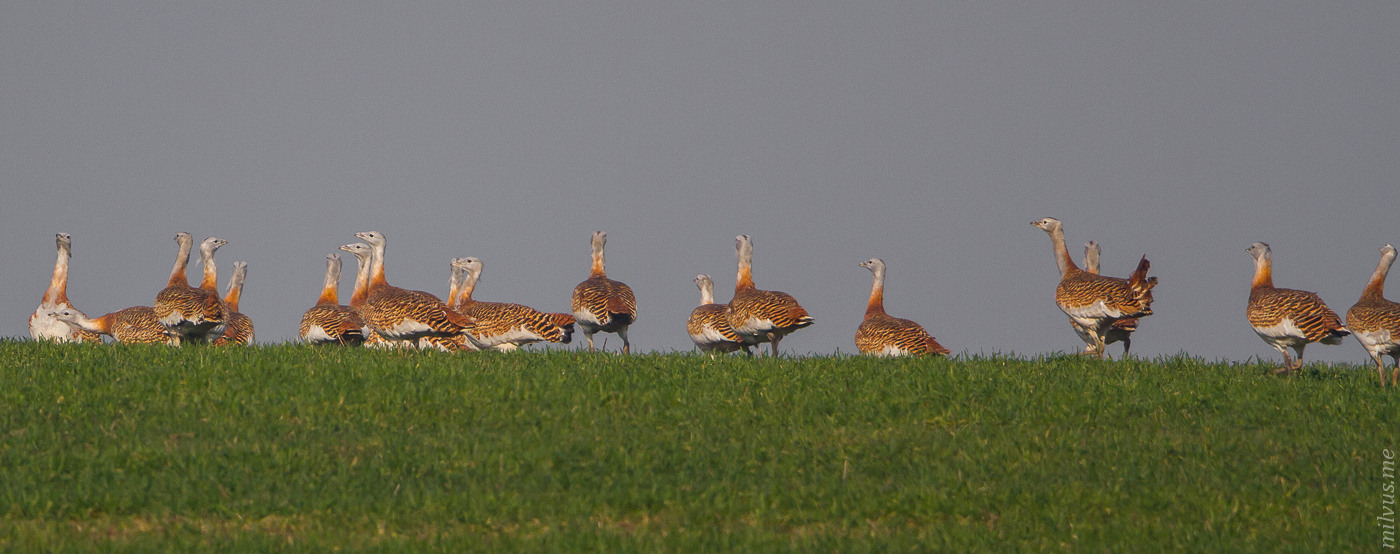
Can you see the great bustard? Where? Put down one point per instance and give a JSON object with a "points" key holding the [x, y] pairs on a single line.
{"points": [[42, 325], [880, 334], [240, 327], [760, 316], [195, 314], [1095, 302], [1376, 321], [1287, 318], [708, 328], [134, 325], [501, 325], [404, 315], [329, 322], [601, 304], [1121, 330]]}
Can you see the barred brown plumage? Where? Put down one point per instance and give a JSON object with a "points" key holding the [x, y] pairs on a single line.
{"points": [[501, 325], [707, 326], [404, 315], [1095, 302], [760, 316], [134, 325], [881, 334], [329, 322], [601, 304], [240, 328], [42, 325], [1121, 330], [195, 314], [1287, 318], [1376, 321]]}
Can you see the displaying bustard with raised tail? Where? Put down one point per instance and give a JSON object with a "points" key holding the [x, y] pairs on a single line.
{"points": [[1121, 330], [329, 322], [760, 316], [709, 329], [601, 304], [1096, 302], [240, 327], [402, 315], [195, 314], [1287, 318], [501, 325], [881, 334], [134, 325], [1376, 321], [43, 325]]}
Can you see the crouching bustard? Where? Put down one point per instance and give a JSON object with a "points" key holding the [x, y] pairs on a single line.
{"points": [[881, 334]]}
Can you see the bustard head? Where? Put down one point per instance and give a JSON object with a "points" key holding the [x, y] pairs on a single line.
{"points": [[1260, 251], [359, 249], [374, 238], [1049, 224]]}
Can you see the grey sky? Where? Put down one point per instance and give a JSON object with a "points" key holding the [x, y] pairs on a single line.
{"points": [[925, 133]]}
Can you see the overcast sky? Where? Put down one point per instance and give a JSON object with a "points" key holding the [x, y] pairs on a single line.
{"points": [[928, 134]]}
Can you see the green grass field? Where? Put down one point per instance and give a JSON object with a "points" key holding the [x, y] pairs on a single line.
{"points": [[289, 447]]}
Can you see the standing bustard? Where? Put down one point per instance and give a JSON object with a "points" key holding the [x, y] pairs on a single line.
{"points": [[1121, 330], [195, 314], [501, 325], [240, 328], [1096, 302], [404, 315], [329, 322], [707, 326], [881, 334], [1376, 321], [760, 316], [44, 326], [601, 304], [1287, 318]]}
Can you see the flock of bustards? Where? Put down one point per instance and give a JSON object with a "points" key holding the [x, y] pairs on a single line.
{"points": [[1102, 310]]}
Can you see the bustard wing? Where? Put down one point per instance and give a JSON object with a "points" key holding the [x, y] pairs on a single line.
{"points": [[1374, 316], [340, 324], [239, 330], [513, 322], [760, 311], [708, 326], [609, 302], [389, 307], [1270, 308], [139, 325], [885, 334], [1084, 295]]}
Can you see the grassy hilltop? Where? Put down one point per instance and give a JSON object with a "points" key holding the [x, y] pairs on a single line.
{"points": [[292, 447]]}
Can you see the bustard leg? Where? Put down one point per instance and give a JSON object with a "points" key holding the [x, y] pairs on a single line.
{"points": [[1298, 364], [774, 344], [589, 336], [1395, 371], [626, 346], [1287, 362], [1127, 345]]}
